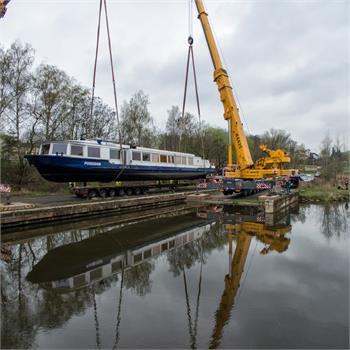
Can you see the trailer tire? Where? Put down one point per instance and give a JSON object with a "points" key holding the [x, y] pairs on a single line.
{"points": [[121, 192], [129, 191], [247, 193], [137, 191], [92, 194], [103, 193]]}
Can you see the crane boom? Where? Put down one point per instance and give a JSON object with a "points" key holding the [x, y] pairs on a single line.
{"points": [[263, 168], [244, 158]]}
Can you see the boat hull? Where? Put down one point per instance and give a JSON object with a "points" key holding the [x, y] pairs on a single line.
{"points": [[71, 169]]}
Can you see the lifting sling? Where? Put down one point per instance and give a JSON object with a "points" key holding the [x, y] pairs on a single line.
{"points": [[190, 56]]}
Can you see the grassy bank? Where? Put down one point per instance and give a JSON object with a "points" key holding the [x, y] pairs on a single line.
{"points": [[320, 191]]}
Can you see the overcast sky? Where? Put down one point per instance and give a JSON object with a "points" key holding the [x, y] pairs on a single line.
{"points": [[288, 60]]}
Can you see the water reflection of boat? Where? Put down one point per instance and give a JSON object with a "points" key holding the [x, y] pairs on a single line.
{"points": [[78, 264]]}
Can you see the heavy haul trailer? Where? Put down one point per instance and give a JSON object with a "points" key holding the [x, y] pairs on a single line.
{"points": [[246, 175], [229, 186], [127, 188]]}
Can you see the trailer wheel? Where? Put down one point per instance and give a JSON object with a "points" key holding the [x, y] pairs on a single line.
{"points": [[103, 193], [112, 192], [121, 192], [128, 191], [247, 193], [228, 192], [137, 191], [92, 194]]}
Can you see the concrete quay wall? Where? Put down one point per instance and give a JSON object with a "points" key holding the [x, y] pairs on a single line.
{"points": [[17, 218]]}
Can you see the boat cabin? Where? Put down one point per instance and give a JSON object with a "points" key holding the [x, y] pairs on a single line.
{"points": [[109, 151]]}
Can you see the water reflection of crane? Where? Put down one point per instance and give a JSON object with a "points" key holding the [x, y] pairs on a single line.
{"points": [[242, 227], [242, 232]]}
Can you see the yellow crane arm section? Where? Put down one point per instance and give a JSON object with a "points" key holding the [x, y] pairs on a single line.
{"points": [[267, 167], [236, 133]]}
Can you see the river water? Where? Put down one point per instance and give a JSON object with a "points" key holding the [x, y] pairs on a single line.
{"points": [[188, 278]]}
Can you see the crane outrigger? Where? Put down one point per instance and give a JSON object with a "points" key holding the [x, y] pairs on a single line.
{"points": [[245, 169]]}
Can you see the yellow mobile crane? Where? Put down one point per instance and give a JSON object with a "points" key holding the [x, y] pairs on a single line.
{"points": [[264, 168]]}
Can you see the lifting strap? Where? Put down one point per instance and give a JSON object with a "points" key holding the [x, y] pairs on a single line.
{"points": [[103, 2], [191, 56], [112, 69]]}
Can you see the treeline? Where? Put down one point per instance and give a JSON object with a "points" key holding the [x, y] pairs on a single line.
{"points": [[41, 102]]}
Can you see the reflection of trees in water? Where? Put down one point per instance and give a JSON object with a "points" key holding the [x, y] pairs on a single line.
{"points": [[26, 307], [18, 326], [334, 220], [138, 279], [301, 215], [184, 257], [191, 253]]}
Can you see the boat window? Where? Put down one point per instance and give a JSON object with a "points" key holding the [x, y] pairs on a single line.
{"points": [[94, 152], [183, 160], [137, 258], [190, 161], [45, 148], [170, 159], [78, 280], [146, 157], [164, 247], [177, 159], [172, 243], [76, 150], [155, 158], [116, 266], [59, 148], [114, 153], [96, 274], [136, 155], [163, 158], [147, 253]]}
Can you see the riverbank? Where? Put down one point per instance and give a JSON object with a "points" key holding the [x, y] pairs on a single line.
{"points": [[322, 192]]}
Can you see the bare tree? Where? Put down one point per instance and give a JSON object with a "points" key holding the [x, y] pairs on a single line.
{"points": [[51, 89], [17, 83], [137, 123], [172, 128]]}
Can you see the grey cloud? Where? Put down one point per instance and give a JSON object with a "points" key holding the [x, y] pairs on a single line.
{"points": [[288, 60]]}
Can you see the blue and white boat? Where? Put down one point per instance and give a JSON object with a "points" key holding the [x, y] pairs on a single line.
{"points": [[103, 161]]}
